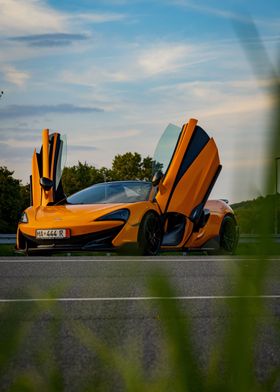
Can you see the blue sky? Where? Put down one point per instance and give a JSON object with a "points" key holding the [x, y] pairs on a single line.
{"points": [[112, 74]]}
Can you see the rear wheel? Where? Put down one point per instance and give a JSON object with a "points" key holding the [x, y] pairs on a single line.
{"points": [[150, 235], [228, 235]]}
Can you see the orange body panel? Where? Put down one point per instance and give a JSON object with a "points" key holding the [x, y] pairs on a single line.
{"points": [[81, 219], [48, 167], [166, 185], [45, 151], [198, 177], [130, 231], [218, 210], [36, 188]]}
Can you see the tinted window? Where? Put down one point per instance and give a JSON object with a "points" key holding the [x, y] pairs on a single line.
{"points": [[198, 141], [112, 192], [165, 148]]}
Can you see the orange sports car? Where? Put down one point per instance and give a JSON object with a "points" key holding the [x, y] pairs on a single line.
{"points": [[172, 212]]}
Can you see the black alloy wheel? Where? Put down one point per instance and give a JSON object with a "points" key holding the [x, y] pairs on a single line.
{"points": [[229, 235], [150, 235]]}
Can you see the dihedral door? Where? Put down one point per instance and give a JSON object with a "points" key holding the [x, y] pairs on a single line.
{"points": [[48, 164], [191, 174]]}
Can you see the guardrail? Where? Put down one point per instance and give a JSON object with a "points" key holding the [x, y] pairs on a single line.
{"points": [[6, 239], [244, 238], [253, 238]]}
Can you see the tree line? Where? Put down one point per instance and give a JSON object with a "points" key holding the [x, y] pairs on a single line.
{"points": [[15, 197], [129, 166]]}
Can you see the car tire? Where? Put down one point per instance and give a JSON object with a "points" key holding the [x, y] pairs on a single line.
{"points": [[229, 235], [150, 235]]}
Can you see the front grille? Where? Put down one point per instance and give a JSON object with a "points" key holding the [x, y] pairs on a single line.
{"points": [[101, 239]]}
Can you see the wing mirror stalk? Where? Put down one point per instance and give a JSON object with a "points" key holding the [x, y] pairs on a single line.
{"points": [[46, 183]]}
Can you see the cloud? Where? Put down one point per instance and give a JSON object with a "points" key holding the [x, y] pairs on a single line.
{"points": [[219, 12], [155, 60], [14, 153], [49, 40], [14, 111], [20, 134], [102, 17], [27, 17], [230, 14], [163, 58], [82, 148], [130, 133], [14, 76]]}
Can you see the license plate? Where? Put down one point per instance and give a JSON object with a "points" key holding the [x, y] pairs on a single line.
{"points": [[51, 234]]}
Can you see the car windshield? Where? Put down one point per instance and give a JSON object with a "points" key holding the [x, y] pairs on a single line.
{"points": [[165, 148], [112, 192]]}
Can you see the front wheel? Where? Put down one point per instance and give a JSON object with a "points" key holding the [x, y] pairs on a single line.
{"points": [[228, 235], [150, 235]]}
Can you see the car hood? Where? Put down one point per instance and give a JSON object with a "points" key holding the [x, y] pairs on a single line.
{"points": [[70, 212]]}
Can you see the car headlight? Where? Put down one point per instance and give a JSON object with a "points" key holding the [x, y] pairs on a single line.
{"points": [[23, 218], [121, 215]]}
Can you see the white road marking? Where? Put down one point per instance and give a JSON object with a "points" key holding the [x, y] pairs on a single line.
{"points": [[105, 259], [111, 299]]}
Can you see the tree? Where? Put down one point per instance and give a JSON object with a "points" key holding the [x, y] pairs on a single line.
{"points": [[146, 169], [25, 196], [127, 166], [80, 176], [249, 214], [107, 174], [131, 166], [12, 200]]}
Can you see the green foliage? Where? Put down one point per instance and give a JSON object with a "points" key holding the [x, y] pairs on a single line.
{"points": [[43, 373], [13, 199], [25, 196], [230, 366], [128, 166], [7, 250], [80, 176], [146, 169], [250, 214]]}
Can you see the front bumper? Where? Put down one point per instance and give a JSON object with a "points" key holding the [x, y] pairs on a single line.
{"points": [[98, 241]]}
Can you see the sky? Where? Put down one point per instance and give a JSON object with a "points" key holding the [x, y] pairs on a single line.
{"points": [[112, 74]]}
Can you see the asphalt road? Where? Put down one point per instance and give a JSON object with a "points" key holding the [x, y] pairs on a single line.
{"points": [[112, 297]]}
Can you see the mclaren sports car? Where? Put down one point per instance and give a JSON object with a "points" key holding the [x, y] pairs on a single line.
{"points": [[172, 212]]}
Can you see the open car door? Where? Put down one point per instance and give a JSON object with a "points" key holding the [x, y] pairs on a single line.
{"points": [[190, 174], [47, 166]]}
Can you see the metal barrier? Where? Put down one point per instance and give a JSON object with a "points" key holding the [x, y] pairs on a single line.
{"points": [[244, 238], [253, 238], [7, 239]]}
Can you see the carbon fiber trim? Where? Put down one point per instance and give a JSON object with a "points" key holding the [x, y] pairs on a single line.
{"points": [[99, 240]]}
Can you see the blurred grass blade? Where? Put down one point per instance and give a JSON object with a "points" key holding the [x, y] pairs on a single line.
{"points": [[186, 375]]}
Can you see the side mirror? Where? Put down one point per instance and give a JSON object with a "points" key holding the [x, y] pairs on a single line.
{"points": [[157, 177], [46, 183]]}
